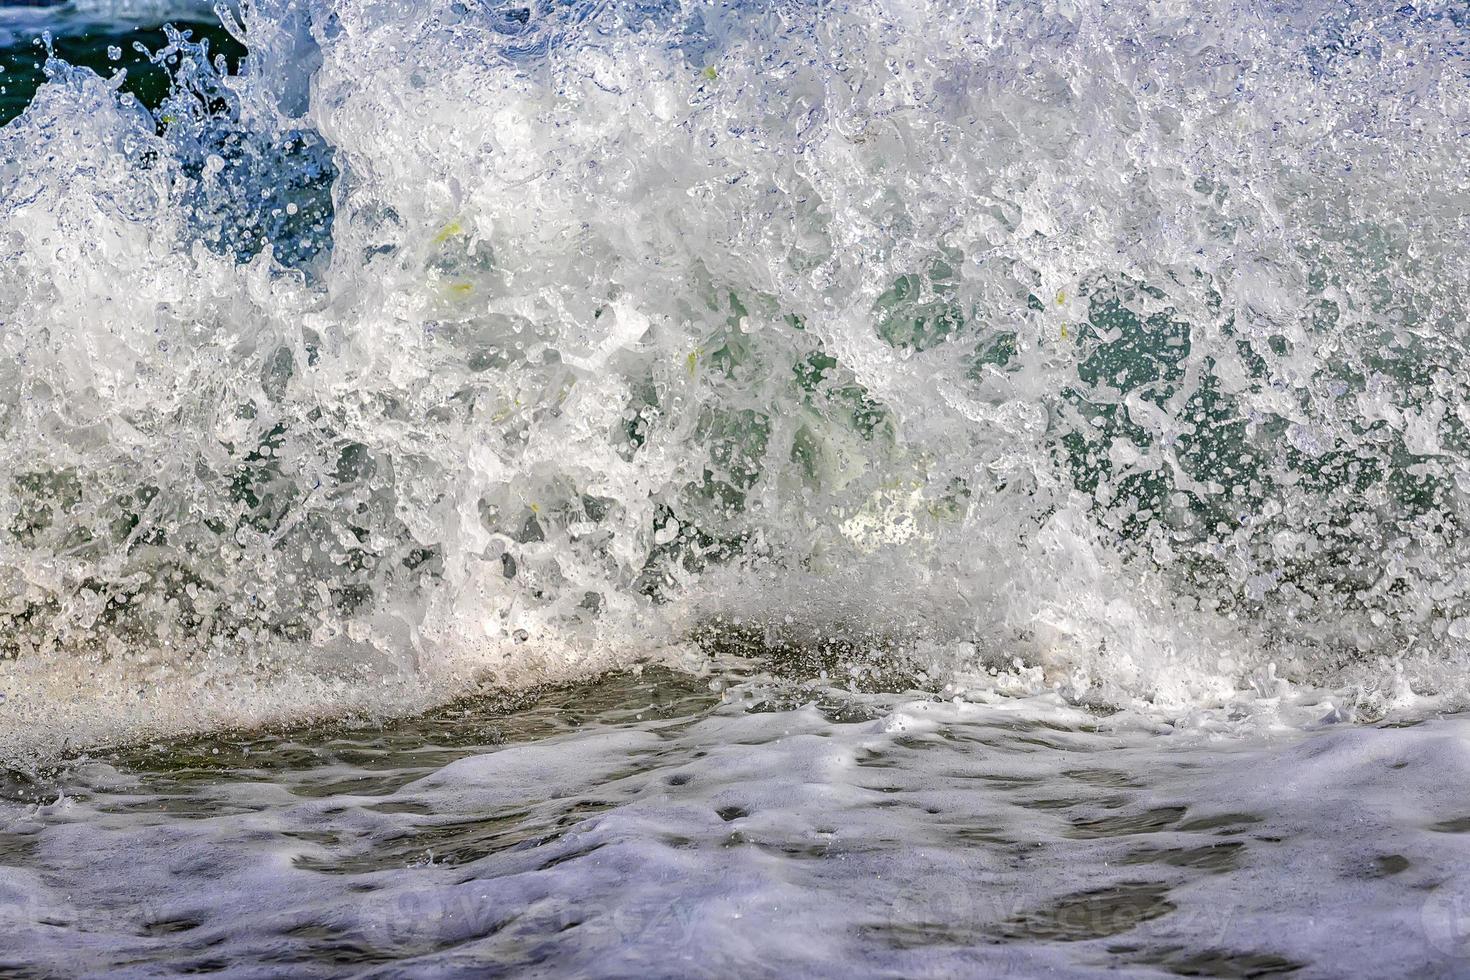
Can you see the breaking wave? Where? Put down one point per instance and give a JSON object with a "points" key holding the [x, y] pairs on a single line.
{"points": [[1104, 348]]}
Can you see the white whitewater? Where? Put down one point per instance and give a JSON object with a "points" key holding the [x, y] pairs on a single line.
{"points": [[972, 488], [454, 345]]}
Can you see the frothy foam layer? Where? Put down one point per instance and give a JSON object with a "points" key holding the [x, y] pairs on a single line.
{"points": [[644, 826], [1106, 348]]}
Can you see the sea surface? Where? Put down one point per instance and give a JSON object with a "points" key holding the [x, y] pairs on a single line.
{"points": [[643, 825], [661, 488]]}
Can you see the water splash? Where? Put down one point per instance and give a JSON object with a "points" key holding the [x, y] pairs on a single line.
{"points": [[1100, 347]]}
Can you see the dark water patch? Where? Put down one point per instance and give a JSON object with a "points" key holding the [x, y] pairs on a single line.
{"points": [[842, 712], [331, 945], [401, 806], [804, 850], [1053, 803], [1225, 823], [804, 847], [16, 849], [178, 806], [573, 855], [1388, 865], [367, 784], [1151, 821], [1023, 737], [645, 762], [204, 967], [1106, 778], [447, 844], [339, 952], [919, 935], [1094, 914], [105, 50], [1068, 802], [169, 927], [1457, 825], [1220, 963], [17, 970], [874, 759], [971, 835], [918, 743], [1000, 780], [1214, 858], [1038, 742], [310, 760], [30, 788], [460, 842], [324, 838]]}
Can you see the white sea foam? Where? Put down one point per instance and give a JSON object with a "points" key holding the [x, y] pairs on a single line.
{"points": [[649, 832]]}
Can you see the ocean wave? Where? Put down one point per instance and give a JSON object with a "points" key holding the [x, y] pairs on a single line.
{"points": [[1096, 348]]}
